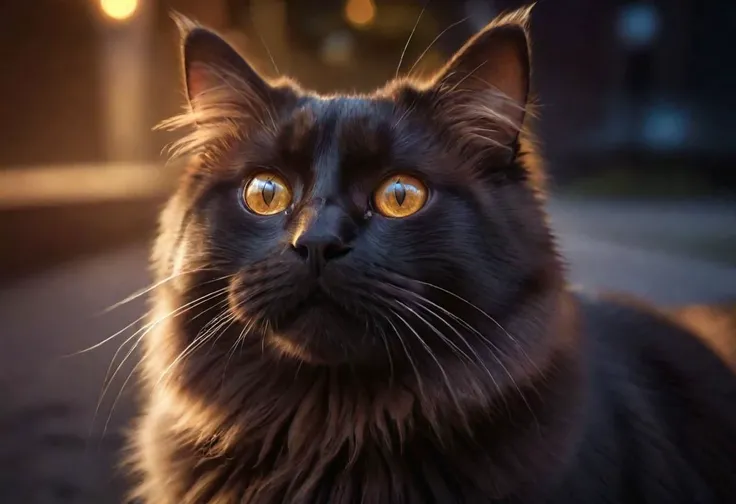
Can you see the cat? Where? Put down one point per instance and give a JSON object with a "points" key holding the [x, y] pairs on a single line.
{"points": [[359, 300]]}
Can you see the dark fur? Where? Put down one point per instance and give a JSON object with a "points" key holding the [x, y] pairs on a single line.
{"points": [[441, 359]]}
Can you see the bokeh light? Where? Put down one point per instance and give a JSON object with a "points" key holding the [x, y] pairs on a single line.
{"points": [[119, 10], [360, 13]]}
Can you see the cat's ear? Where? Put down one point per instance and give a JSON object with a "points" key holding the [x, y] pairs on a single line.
{"points": [[227, 97], [211, 64], [483, 90], [228, 100]]}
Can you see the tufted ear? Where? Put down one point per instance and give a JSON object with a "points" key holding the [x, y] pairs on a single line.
{"points": [[226, 95], [211, 64], [483, 90]]}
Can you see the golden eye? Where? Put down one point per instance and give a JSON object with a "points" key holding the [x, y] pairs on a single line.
{"points": [[267, 194], [400, 196]]}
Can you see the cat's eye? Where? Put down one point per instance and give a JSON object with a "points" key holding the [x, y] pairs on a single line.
{"points": [[267, 194], [400, 196]]}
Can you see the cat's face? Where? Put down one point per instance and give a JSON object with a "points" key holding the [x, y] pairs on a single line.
{"points": [[360, 229]]}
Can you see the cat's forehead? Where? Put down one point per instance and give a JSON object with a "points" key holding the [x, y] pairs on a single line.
{"points": [[346, 127]]}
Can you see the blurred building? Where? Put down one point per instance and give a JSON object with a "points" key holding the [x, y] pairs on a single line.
{"points": [[667, 98], [613, 75]]}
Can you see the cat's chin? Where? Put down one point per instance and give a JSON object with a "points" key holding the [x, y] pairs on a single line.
{"points": [[319, 334]]}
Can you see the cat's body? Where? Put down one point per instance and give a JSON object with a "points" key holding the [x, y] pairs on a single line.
{"points": [[359, 301], [660, 413]]}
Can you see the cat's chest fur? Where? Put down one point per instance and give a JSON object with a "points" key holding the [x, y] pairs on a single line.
{"points": [[418, 472], [330, 442]]}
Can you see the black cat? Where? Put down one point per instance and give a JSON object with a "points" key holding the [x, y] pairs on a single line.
{"points": [[360, 301]]}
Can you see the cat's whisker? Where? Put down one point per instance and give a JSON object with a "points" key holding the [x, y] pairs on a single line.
{"points": [[434, 41], [234, 347], [492, 347], [420, 383], [109, 338], [465, 77], [216, 319], [197, 342], [117, 399], [482, 312], [142, 332], [107, 384], [403, 116], [411, 35], [193, 345], [268, 51], [189, 306], [263, 346], [382, 333], [149, 326], [432, 355], [457, 350], [145, 290], [139, 319], [228, 323], [458, 319], [221, 329], [200, 340], [249, 327], [478, 358]]}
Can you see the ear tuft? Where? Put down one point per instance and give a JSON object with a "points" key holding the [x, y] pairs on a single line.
{"points": [[519, 17], [183, 23]]}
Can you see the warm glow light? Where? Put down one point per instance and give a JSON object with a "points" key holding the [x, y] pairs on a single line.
{"points": [[119, 10], [360, 13]]}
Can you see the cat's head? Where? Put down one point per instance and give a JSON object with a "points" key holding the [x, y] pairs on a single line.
{"points": [[396, 227]]}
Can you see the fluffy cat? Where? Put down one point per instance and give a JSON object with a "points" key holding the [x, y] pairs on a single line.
{"points": [[359, 301]]}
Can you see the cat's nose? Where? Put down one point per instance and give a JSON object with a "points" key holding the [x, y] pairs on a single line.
{"points": [[319, 249], [321, 236]]}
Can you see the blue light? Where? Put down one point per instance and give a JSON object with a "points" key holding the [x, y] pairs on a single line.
{"points": [[666, 126], [638, 24]]}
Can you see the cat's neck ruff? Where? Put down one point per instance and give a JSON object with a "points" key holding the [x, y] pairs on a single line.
{"points": [[285, 415], [192, 405]]}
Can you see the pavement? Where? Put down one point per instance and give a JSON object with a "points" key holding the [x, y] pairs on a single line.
{"points": [[52, 448], [648, 249]]}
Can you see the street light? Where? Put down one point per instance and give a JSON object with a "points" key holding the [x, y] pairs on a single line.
{"points": [[119, 10], [125, 76]]}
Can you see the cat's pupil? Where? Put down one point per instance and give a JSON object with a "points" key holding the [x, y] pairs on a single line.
{"points": [[399, 192], [268, 192]]}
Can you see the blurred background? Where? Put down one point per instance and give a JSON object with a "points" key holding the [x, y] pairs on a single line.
{"points": [[636, 124]]}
